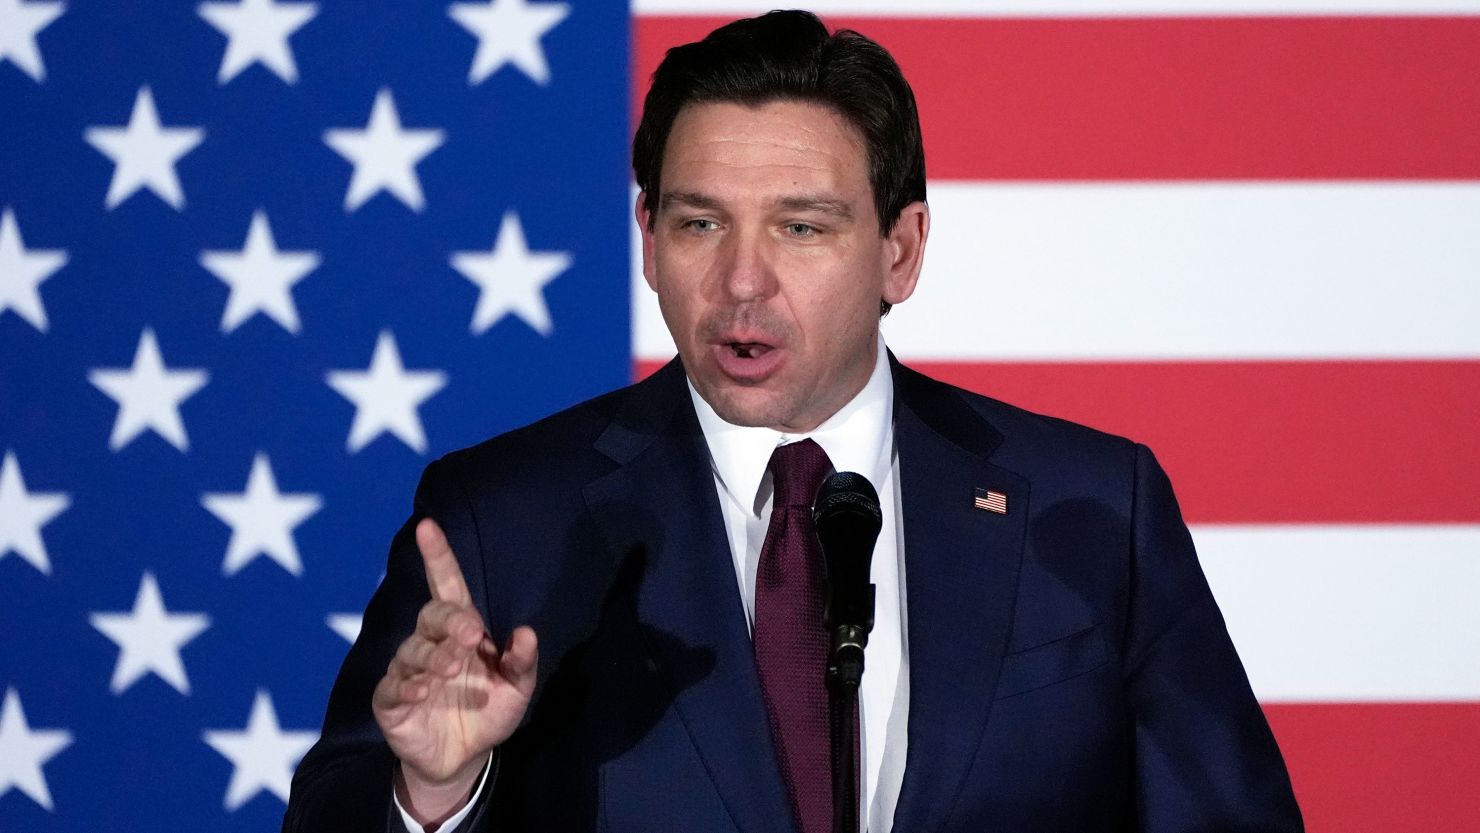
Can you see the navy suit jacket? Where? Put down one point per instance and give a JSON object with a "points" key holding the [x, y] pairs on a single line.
{"points": [[1069, 669]]}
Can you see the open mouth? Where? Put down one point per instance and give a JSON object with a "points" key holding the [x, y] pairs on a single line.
{"points": [[747, 362], [749, 349]]}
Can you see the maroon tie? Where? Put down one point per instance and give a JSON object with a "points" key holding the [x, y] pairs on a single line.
{"points": [[791, 641]]}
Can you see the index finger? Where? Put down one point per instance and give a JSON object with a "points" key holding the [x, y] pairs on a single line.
{"points": [[444, 576]]}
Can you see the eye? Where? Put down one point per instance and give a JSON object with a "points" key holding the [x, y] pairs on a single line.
{"points": [[801, 230], [700, 224]]}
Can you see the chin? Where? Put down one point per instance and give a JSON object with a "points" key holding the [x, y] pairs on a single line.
{"points": [[749, 417], [741, 406]]}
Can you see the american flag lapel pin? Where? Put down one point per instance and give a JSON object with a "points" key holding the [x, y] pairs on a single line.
{"points": [[991, 501]]}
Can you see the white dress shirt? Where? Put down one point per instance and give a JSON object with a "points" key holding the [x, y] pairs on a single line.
{"points": [[858, 438]]}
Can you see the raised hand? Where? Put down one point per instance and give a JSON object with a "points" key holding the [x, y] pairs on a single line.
{"points": [[450, 695]]}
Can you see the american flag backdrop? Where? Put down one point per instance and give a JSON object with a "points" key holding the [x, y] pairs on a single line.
{"points": [[260, 261]]}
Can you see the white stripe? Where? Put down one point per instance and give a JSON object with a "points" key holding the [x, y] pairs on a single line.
{"points": [[1066, 8], [1133, 271], [1350, 613]]}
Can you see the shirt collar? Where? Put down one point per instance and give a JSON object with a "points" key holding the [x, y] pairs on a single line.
{"points": [[859, 437]]}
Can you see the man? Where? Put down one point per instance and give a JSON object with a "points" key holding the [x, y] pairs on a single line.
{"points": [[1047, 655]]}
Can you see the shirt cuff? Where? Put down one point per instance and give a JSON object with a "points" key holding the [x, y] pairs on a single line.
{"points": [[456, 818]]}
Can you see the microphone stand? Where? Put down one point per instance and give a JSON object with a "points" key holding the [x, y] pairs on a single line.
{"points": [[844, 673]]}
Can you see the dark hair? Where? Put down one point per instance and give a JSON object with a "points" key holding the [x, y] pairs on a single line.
{"points": [[789, 55]]}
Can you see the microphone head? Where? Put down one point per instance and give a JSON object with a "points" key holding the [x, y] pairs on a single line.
{"points": [[847, 518], [846, 493]]}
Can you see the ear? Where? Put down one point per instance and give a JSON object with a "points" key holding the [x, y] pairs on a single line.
{"points": [[644, 226], [905, 251]]}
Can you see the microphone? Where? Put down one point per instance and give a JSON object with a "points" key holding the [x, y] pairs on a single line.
{"points": [[847, 518]]}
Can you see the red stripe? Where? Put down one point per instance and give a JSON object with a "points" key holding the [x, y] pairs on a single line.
{"points": [[1379, 768], [1175, 98], [1273, 442]]}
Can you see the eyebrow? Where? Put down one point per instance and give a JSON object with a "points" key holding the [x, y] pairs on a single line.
{"points": [[691, 199], [836, 208]]}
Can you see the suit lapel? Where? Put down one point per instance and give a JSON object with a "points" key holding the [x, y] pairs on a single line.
{"points": [[660, 506], [961, 573]]}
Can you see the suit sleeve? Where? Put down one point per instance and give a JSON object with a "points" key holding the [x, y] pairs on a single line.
{"points": [[344, 783], [1205, 756]]}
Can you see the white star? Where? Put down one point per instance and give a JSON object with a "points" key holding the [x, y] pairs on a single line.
{"points": [[384, 155], [262, 520], [512, 278], [386, 396], [262, 755], [260, 277], [22, 514], [144, 153], [19, 24], [509, 32], [23, 751], [148, 395], [258, 31], [346, 625], [149, 639], [21, 272]]}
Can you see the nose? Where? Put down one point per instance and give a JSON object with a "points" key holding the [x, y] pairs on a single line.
{"points": [[746, 268]]}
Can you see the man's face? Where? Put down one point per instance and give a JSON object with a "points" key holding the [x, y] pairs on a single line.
{"points": [[768, 261]]}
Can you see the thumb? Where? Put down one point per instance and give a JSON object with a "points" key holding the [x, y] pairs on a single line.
{"points": [[520, 659]]}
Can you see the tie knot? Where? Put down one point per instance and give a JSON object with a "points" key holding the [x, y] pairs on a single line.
{"points": [[797, 470]]}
